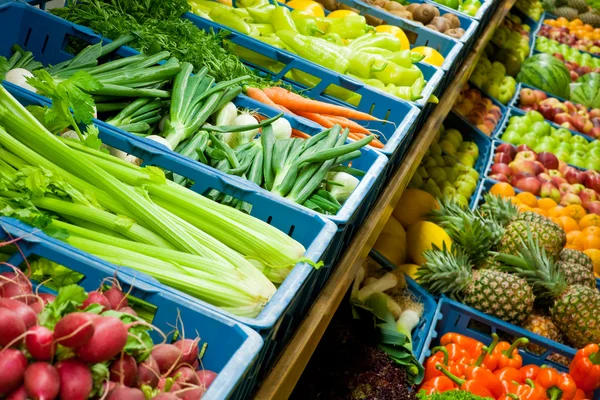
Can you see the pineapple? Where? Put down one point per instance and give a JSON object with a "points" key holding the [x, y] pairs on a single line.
{"points": [[576, 257], [575, 309], [542, 325], [590, 18], [566, 12], [579, 5], [498, 209], [551, 236], [490, 262], [448, 271], [577, 274]]}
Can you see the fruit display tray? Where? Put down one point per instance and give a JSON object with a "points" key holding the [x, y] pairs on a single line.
{"points": [[503, 110]]}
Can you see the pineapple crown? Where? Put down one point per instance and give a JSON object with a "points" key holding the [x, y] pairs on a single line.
{"points": [[498, 209], [533, 264], [446, 270]]}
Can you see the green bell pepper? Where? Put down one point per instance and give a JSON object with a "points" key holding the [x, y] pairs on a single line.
{"points": [[316, 50], [379, 40], [334, 38], [261, 14], [399, 76], [264, 29], [401, 58], [250, 3], [274, 41], [350, 27], [306, 24], [282, 19], [233, 21], [364, 64], [243, 13], [376, 83]]}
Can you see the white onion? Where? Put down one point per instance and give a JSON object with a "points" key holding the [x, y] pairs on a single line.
{"points": [[160, 139], [70, 134], [19, 76], [282, 129]]}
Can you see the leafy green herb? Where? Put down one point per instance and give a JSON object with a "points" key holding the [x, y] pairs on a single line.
{"points": [[449, 395], [55, 275], [69, 299]]}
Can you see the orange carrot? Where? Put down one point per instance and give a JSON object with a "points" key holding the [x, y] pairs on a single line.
{"points": [[299, 134], [318, 118], [258, 95], [282, 108], [297, 103], [348, 123]]}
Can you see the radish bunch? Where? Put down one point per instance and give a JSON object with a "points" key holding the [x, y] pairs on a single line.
{"points": [[77, 346]]}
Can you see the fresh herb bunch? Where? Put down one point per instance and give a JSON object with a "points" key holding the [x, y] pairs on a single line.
{"points": [[450, 395], [158, 26]]}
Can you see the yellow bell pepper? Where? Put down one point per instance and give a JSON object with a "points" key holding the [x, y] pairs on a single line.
{"points": [[432, 56], [307, 7], [341, 14], [394, 30]]}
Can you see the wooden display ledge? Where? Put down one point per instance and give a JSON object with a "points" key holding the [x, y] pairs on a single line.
{"points": [[284, 375]]}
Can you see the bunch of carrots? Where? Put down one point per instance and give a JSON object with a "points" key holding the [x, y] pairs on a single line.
{"points": [[497, 371], [324, 114]]}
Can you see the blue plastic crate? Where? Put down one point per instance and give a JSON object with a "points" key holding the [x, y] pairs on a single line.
{"points": [[279, 317], [429, 302], [452, 316], [232, 348], [432, 75], [466, 23], [371, 162]]}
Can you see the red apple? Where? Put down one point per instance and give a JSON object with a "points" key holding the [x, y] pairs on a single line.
{"points": [[558, 180], [548, 159], [574, 176], [526, 155], [540, 96], [564, 188], [570, 107], [595, 132], [528, 97], [507, 148], [563, 167], [568, 125], [582, 124], [524, 147], [504, 158], [594, 207], [499, 178], [501, 168], [527, 166], [544, 177], [548, 111], [595, 113], [563, 118], [576, 188], [593, 182], [595, 121], [569, 198], [518, 176], [549, 190], [529, 184], [587, 196]]}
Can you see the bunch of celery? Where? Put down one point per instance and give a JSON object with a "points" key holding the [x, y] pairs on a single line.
{"points": [[134, 217]]}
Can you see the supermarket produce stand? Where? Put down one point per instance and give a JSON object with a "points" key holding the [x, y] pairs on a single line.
{"points": [[284, 375]]}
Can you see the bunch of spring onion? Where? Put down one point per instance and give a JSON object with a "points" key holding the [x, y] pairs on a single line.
{"points": [[134, 217]]}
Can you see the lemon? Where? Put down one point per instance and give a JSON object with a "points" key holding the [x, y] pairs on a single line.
{"points": [[394, 30], [422, 236], [432, 56], [391, 243], [413, 206], [409, 269]]}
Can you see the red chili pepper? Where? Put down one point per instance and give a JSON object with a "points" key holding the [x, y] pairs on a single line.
{"points": [[472, 346], [510, 377], [585, 368], [476, 385], [556, 383], [438, 384], [530, 371], [508, 354]]}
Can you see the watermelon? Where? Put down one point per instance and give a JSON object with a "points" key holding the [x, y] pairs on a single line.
{"points": [[547, 73], [586, 90]]}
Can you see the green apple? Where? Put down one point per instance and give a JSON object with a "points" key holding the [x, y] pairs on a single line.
{"points": [[469, 147], [465, 188], [449, 161], [594, 152], [527, 120], [449, 192], [540, 129], [454, 136], [465, 159], [563, 155], [514, 120], [594, 143], [593, 163], [512, 137], [466, 178], [522, 128], [566, 146], [530, 140], [580, 147], [578, 139], [447, 147], [473, 173], [550, 140], [536, 116], [542, 147], [416, 181], [578, 162], [562, 134], [437, 174]]}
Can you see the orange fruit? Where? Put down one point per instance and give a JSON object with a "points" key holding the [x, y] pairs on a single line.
{"points": [[589, 220], [555, 211], [574, 247], [561, 21], [591, 231], [528, 199], [523, 207], [502, 189], [568, 224], [574, 211], [594, 254], [540, 211], [546, 203], [576, 22], [575, 238], [590, 242], [516, 201]]}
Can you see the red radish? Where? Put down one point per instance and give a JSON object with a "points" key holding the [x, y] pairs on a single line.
{"points": [[125, 393], [206, 377], [11, 326], [108, 386], [42, 381], [109, 339], [148, 372], [191, 393], [74, 330], [128, 310], [96, 298], [41, 302], [23, 310], [165, 396], [12, 370], [116, 298], [47, 297], [124, 370], [19, 394], [76, 382], [165, 382], [185, 375], [15, 284], [195, 365], [40, 343], [167, 356], [189, 350]]}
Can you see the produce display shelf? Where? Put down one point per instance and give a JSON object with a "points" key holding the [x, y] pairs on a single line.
{"points": [[285, 374]]}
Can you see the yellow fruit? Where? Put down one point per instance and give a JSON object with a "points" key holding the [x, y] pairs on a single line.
{"points": [[432, 56], [391, 243], [341, 14], [308, 7], [409, 269], [421, 236], [413, 206], [594, 254], [394, 30]]}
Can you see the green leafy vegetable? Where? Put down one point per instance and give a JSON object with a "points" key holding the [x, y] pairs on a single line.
{"points": [[55, 275], [68, 300], [450, 395], [139, 343]]}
